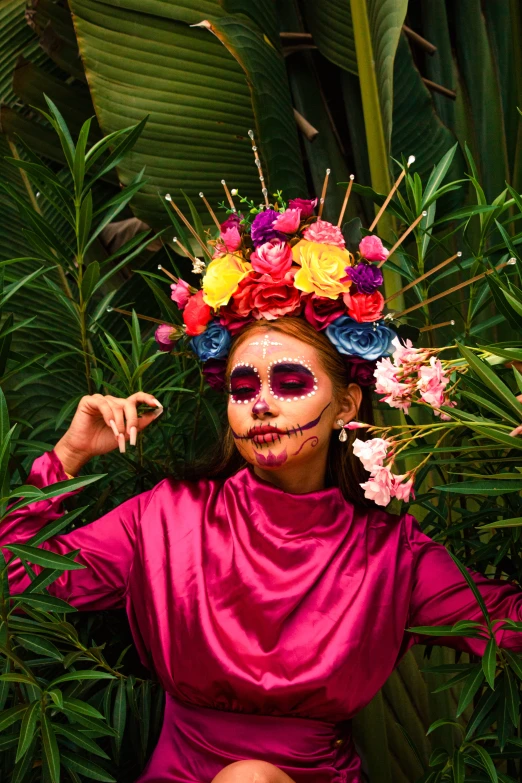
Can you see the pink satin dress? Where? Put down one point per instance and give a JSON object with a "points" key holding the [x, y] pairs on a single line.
{"points": [[270, 618]]}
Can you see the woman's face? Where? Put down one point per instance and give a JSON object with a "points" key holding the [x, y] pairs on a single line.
{"points": [[281, 408]]}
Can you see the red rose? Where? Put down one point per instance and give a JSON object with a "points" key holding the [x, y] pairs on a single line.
{"points": [[261, 296], [232, 320], [366, 307], [196, 314], [320, 311]]}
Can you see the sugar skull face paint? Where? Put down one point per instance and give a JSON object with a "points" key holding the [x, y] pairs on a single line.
{"points": [[282, 408], [245, 383], [291, 379]]}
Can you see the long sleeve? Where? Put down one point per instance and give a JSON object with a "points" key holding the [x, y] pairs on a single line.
{"points": [[107, 545], [441, 596]]}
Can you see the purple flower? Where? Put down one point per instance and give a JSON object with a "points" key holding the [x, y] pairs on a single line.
{"points": [[366, 277], [262, 228], [306, 205], [360, 371], [214, 373]]}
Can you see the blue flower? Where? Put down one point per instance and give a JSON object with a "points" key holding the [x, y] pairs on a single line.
{"points": [[368, 340], [214, 343]]}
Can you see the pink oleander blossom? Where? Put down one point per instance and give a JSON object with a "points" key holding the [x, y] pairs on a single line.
{"points": [[379, 486], [432, 382], [401, 489], [288, 221], [405, 353], [180, 293], [371, 452], [372, 249], [385, 376], [325, 233]]}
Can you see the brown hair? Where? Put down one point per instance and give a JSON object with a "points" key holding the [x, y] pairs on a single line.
{"points": [[344, 470]]}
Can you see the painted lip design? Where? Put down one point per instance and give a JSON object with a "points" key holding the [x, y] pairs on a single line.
{"points": [[265, 433]]}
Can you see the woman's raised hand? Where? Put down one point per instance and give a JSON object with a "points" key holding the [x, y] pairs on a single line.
{"points": [[102, 424]]}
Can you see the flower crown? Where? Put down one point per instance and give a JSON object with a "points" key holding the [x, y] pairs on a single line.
{"points": [[282, 259]]}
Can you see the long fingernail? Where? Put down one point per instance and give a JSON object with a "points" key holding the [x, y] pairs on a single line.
{"points": [[157, 402], [157, 413], [121, 442], [132, 435], [114, 427]]}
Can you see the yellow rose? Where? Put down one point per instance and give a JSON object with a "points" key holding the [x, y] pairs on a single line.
{"points": [[222, 279], [322, 268]]}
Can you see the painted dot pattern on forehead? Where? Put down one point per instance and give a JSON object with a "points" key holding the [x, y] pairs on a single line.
{"points": [[267, 345]]}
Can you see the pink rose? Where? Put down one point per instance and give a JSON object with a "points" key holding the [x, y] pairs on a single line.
{"points": [[180, 293], [379, 486], [365, 308], [274, 258], [306, 205], [324, 232], [261, 296], [372, 249], [165, 335], [196, 314], [288, 221], [371, 452], [320, 312], [231, 239]]}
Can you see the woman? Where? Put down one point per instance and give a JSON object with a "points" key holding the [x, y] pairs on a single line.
{"points": [[271, 606]]}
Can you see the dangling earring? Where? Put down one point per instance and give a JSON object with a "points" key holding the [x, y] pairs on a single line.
{"points": [[343, 435]]}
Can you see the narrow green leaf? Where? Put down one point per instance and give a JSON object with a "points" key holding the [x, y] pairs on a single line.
{"points": [[50, 748], [90, 279], [79, 738], [85, 767], [45, 603], [459, 769], [39, 645], [469, 689], [10, 716], [486, 374], [87, 674], [27, 729], [487, 762], [515, 662], [489, 662], [119, 714], [43, 557], [79, 156], [512, 696], [513, 522], [437, 175], [83, 708], [472, 585], [53, 528], [84, 223], [100, 727]]}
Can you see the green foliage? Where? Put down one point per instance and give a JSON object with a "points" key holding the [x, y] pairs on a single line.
{"points": [[63, 694]]}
